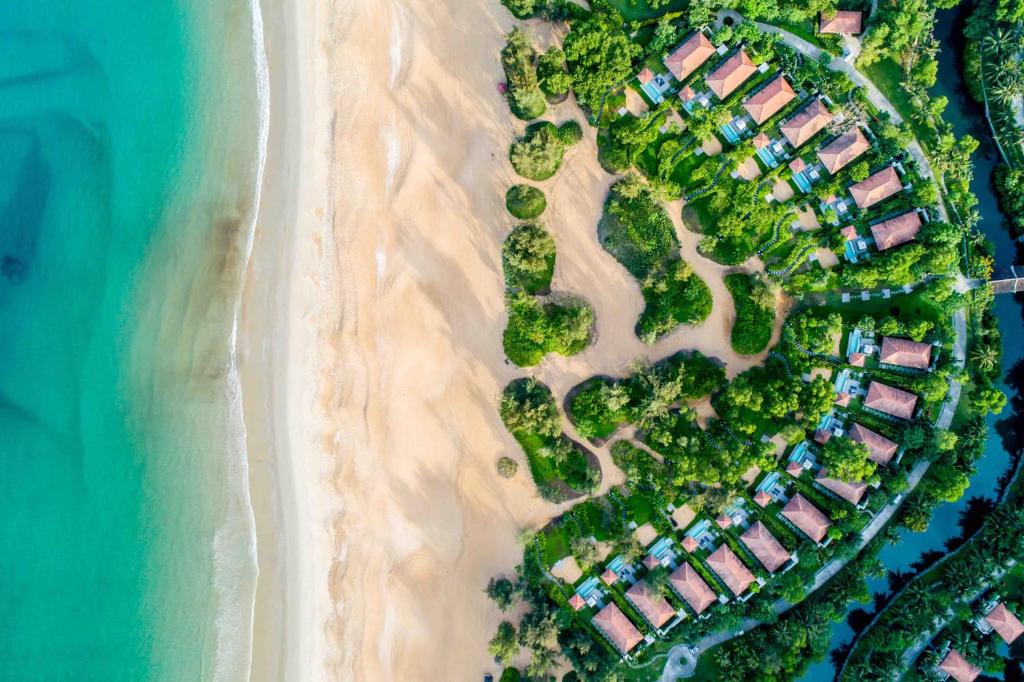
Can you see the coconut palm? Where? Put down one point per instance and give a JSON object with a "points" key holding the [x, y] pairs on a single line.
{"points": [[985, 357], [998, 41]]}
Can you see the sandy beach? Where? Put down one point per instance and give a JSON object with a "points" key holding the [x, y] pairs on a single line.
{"points": [[371, 341]]}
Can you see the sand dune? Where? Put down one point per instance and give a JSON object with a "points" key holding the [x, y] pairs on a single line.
{"points": [[377, 282]]}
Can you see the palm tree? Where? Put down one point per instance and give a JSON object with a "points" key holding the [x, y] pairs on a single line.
{"points": [[985, 357], [996, 42]]}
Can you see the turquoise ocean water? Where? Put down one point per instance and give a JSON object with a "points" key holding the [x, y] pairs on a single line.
{"points": [[129, 157]]}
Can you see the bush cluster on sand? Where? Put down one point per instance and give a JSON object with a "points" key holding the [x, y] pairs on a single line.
{"points": [[637, 230], [519, 59], [507, 467], [525, 202], [528, 257], [538, 326], [755, 312], [538, 154]]}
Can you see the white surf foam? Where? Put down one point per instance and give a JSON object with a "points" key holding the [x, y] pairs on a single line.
{"points": [[237, 609]]}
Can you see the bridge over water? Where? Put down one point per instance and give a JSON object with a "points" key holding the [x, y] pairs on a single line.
{"points": [[1008, 281]]}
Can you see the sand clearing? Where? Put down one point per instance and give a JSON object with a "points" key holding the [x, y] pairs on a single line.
{"points": [[371, 346]]}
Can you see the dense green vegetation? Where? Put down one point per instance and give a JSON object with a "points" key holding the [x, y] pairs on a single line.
{"points": [[559, 466], [519, 60], [755, 300], [525, 202], [538, 154], [638, 232], [537, 327], [528, 257]]}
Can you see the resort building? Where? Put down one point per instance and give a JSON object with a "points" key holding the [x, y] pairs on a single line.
{"points": [[576, 602], [807, 123], [876, 187], [1002, 620], [896, 231], [689, 56], [838, 153], [892, 401], [770, 99], [905, 353], [843, 22], [730, 74], [650, 603], [880, 449], [851, 492], [691, 588], [727, 566], [806, 517], [609, 577], [618, 629], [762, 499], [956, 666], [765, 547]]}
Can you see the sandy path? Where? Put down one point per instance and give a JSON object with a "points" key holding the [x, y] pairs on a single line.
{"points": [[373, 422]]}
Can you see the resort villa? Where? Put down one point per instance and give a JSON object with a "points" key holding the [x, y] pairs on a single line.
{"points": [[617, 629], [843, 22], [769, 100], [731, 74], [807, 123], [841, 151], [727, 566], [905, 353], [689, 56], [806, 517], [956, 666], [692, 588], [892, 401], [876, 187], [896, 231], [1002, 620], [765, 547], [650, 603], [851, 492], [880, 449]]}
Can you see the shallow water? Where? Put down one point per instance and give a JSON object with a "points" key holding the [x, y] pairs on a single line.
{"points": [[128, 155]]}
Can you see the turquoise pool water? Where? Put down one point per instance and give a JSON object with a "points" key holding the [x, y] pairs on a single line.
{"points": [[128, 162]]}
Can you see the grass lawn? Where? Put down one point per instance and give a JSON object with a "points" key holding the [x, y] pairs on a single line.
{"points": [[641, 508], [888, 77], [556, 544], [638, 10]]}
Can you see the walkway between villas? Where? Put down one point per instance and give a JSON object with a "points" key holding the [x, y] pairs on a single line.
{"points": [[839, 64]]}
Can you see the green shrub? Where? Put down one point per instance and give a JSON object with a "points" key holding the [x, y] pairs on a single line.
{"points": [[518, 59], [755, 313], [507, 467], [525, 202], [554, 79], [672, 297], [538, 154], [528, 256], [598, 408], [570, 133], [523, 9], [536, 328]]}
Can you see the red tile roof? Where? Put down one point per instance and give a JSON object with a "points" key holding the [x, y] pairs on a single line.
{"points": [[692, 588], [723, 521], [807, 123], [730, 74], [689, 56], [794, 469], [770, 99], [650, 603], [806, 517], [842, 150], [762, 498], [958, 668], [842, 400], [765, 547], [905, 353], [889, 400], [576, 602], [689, 544], [843, 21], [619, 629], [651, 562], [797, 165], [609, 577], [850, 232], [851, 492], [761, 141], [730, 569], [822, 436], [880, 448], [857, 359], [896, 231], [1005, 623], [645, 76], [876, 187], [687, 93]]}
